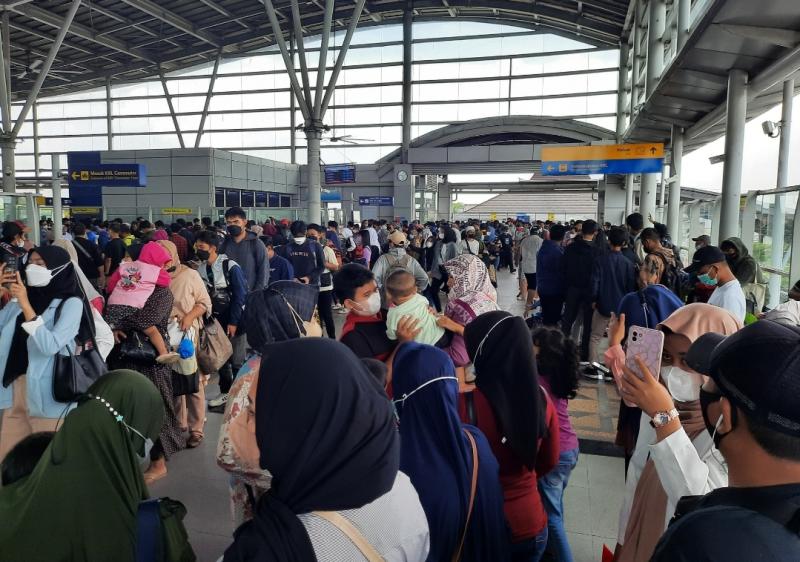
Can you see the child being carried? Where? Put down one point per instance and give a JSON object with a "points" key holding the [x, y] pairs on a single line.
{"points": [[401, 293]]}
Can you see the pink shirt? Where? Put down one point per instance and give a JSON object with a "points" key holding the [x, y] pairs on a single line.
{"points": [[567, 438]]}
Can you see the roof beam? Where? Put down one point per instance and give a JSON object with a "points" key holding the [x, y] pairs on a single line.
{"points": [[227, 13], [49, 18], [175, 20]]}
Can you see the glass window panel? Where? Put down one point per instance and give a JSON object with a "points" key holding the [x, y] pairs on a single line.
{"points": [[555, 85], [564, 107], [609, 123], [479, 110], [184, 105], [556, 63], [445, 112], [604, 59], [602, 104], [481, 90], [526, 87]]}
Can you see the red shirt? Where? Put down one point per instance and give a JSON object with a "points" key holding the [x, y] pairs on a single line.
{"points": [[366, 336], [181, 245], [523, 505]]}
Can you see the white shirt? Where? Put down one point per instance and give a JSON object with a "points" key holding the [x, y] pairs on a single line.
{"points": [[529, 248], [469, 246], [373, 237], [684, 467], [730, 297], [394, 524]]}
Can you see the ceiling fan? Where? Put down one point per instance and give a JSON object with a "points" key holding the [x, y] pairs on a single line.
{"points": [[348, 139], [33, 68]]}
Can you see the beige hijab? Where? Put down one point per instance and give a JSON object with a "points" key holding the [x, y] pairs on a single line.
{"points": [[646, 521], [186, 285]]}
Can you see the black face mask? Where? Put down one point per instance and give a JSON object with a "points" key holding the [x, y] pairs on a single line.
{"points": [[203, 254], [314, 238], [706, 399], [234, 230]]}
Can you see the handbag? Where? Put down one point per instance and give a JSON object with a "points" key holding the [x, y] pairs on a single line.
{"points": [[214, 348], [73, 374], [352, 533], [160, 533], [185, 384], [137, 349]]}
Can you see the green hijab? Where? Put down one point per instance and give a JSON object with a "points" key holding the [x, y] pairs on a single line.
{"points": [[80, 502]]}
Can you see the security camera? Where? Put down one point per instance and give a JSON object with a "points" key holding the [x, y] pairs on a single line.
{"points": [[771, 129]]}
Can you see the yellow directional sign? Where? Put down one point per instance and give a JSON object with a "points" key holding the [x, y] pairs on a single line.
{"points": [[85, 210], [176, 211], [551, 217], [602, 152], [493, 216]]}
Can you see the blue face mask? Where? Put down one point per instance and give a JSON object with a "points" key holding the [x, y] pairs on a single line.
{"points": [[705, 279]]}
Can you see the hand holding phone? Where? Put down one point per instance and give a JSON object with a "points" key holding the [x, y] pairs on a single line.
{"points": [[648, 345]]}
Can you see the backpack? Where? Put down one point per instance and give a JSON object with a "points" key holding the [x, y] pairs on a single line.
{"points": [[397, 264], [220, 298], [357, 256], [671, 277]]}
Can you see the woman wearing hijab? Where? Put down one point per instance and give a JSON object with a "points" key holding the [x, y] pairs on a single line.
{"points": [[677, 458], [270, 317], [80, 502], [154, 314], [436, 452], [30, 338], [191, 302], [648, 306], [326, 432], [471, 294], [518, 419]]}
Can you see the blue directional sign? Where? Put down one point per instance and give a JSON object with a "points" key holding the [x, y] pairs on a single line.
{"points": [[107, 175], [376, 201]]}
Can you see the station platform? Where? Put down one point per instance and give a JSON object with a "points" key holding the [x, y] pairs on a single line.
{"points": [[592, 499]]}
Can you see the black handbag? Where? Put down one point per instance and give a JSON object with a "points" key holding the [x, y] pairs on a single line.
{"points": [[185, 384], [74, 374], [137, 349]]}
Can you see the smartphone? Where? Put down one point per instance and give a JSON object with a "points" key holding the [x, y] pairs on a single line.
{"points": [[646, 344], [12, 264]]}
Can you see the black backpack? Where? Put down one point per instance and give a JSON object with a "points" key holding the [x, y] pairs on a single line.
{"points": [[671, 277]]}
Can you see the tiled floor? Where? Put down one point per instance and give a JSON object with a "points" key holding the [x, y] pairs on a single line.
{"points": [[592, 499]]}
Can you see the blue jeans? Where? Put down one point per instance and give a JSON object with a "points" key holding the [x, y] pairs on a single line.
{"points": [[551, 488], [530, 550]]}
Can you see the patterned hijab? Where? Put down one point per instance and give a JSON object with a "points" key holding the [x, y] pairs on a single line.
{"points": [[472, 285]]}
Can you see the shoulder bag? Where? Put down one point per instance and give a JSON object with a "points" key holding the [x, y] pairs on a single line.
{"points": [[214, 348], [475, 463], [73, 374], [349, 530], [160, 533], [136, 348]]}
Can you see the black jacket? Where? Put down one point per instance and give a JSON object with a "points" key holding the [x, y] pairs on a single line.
{"points": [[719, 528], [307, 259], [579, 260], [614, 277]]}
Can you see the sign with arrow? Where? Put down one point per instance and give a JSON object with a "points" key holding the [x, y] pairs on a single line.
{"points": [[108, 175], [559, 160]]}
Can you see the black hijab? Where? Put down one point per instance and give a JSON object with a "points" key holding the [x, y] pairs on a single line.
{"points": [[505, 370], [268, 318], [64, 284], [327, 435]]}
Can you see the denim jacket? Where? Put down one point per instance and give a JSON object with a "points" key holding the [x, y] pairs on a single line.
{"points": [[47, 340]]}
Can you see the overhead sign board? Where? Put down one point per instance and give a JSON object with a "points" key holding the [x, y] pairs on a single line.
{"points": [[108, 175], [176, 211], [86, 210], [602, 159], [340, 173], [376, 201]]}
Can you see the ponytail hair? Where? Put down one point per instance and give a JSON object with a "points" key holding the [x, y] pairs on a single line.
{"points": [[558, 361]]}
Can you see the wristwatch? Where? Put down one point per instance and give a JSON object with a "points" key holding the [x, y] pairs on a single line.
{"points": [[660, 419]]}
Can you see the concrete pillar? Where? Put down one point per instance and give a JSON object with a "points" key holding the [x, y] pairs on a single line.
{"points": [[748, 222], [408, 16], [313, 137], [629, 187], [655, 44], [674, 205], [734, 152], [647, 197], [636, 63], [684, 8], [7, 148], [779, 212], [715, 217], [613, 198], [694, 222], [443, 203], [55, 170], [403, 192]]}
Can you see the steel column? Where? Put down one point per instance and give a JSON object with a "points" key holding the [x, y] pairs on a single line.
{"points": [[684, 8], [36, 143], [109, 116], [48, 62], [779, 213], [674, 205], [301, 49], [408, 17], [292, 111], [629, 185], [655, 44], [748, 222], [340, 58], [734, 153], [287, 60], [647, 196], [5, 96], [319, 91], [55, 186], [622, 90], [7, 51], [171, 108], [636, 62], [210, 92]]}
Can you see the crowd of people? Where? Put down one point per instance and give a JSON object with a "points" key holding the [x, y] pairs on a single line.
{"points": [[434, 426]]}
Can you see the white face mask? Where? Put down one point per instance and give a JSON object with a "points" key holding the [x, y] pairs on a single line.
{"points": [[300, 240], [371, 307], [441, 236], [683, 385], [40, 276]]}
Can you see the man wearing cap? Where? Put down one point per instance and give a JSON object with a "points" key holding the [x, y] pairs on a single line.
{"points": [[751, 406], [397, 258], [711, 268], [701, 241]]}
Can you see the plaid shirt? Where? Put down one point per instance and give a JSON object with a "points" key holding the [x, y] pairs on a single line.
{"points": [[181, 244]]}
